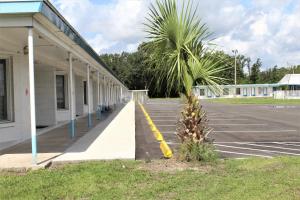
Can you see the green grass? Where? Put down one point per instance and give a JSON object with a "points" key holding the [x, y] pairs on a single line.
{"points": [[261, 101], [277, 178]]}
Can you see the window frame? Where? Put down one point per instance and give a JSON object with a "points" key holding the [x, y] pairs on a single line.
{"points": [[245, 92], [9, 90], [85, 93], [226, 91], [253, 91], [65, 86], [236, 91], [202, 92], [265, 91]]}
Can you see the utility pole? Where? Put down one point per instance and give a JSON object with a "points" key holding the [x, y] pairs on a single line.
{"points": [[235, 55]]}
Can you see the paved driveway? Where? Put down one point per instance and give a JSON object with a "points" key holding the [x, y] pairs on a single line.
{"points": [[252, 130], [239, 130]]}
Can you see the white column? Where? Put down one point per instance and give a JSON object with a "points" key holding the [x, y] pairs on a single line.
{"points": [[132, 96], [105, 92], [121, 95], [98, 96], [71, 97], [101, 93], [89, 97], [98, 88], [117, 94], [32, 96], [108, 93], [113, 94]]}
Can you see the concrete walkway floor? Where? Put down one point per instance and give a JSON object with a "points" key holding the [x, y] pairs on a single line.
{"points": [[50, 145], [112, 139]]}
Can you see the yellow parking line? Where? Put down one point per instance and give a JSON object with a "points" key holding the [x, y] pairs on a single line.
{"points": [[166, 150]]}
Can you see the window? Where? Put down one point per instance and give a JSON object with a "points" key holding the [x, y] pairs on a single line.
{"points": [[260, 91], [238, 91], [245, 92], [6, 91], [85, 97], [60, 92], [226, 91], [3, 91], [209, 93], [265, 91], [202, 92], [253, 92]]}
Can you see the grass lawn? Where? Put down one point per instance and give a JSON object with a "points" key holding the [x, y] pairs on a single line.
{"points": [[254, 178], [262, 101]]}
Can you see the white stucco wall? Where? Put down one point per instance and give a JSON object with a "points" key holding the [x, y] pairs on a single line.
{"points": [[79, 95], [95, 96], [114, 138], [45, 95], [245, 92], [19, 130]]}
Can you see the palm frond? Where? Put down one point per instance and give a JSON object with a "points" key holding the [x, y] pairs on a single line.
{"points": [[177, 43]]}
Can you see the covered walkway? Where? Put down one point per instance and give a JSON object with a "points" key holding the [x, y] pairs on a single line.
{"points": [[50, 145], [49, 75]]}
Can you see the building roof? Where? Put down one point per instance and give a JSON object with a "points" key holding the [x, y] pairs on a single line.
{"points": [[45, 8], [290, 79], [242, 85]]}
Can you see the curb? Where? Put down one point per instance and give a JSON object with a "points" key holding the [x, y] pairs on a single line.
{"points": [[166, 150]]}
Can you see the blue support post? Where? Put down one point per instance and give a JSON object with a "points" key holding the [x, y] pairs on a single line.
{"points": [[34, 150], [72, 128], [90, 120], [99, 112]]}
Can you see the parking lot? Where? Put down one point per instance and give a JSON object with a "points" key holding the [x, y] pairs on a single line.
{"points": [[239, 130]]}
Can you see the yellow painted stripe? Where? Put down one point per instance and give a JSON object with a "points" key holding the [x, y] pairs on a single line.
{"points": [[153, 127], [166, 150]]}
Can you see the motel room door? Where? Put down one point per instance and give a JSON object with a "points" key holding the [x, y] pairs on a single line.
{"points": [[3, 96]]}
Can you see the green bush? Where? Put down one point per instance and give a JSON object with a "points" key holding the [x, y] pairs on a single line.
{"points": [[191, 151]]}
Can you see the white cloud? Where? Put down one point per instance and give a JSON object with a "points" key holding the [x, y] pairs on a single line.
{"points": [[107, 25], [260, 27], [132, 47], [99, 43], [266, 29]]}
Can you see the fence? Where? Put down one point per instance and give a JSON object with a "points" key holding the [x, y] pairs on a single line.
{"points": [[140, 96], [287, 94]]}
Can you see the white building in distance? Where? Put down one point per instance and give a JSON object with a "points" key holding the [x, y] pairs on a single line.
{"points": [[287, 88]]}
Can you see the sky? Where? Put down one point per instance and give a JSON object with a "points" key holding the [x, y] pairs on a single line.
{"points": [[266, 29]]}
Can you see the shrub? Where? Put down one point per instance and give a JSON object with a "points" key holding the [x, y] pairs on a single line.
{"points": [[191, 151]]}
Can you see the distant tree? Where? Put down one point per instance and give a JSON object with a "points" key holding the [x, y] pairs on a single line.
{"points": [[255, 71], [136, 70], [228, 62], [139, 70], [248, 65]]}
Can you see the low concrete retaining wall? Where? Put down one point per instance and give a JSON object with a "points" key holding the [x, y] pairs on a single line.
{"points": [[113, 138]]}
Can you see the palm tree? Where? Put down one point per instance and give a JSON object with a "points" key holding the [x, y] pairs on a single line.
{"points": [[178, 43], [178, 40]]}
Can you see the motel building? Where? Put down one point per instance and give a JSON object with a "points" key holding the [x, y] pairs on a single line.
{"points": [[287, 88], [49, 75]]}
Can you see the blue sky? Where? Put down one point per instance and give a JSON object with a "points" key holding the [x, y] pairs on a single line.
{"points": [[266, 29]]}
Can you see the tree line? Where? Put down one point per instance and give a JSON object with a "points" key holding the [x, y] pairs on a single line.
{"points": [[138, 70]]}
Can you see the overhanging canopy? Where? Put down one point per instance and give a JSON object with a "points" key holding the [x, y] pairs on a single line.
{"points": [[45, 8], [290, 79]]}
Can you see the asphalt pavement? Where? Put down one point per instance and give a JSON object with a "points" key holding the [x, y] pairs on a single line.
{"points": [[239, 130]]}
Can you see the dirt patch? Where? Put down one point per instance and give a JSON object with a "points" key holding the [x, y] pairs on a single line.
{"points": [[173, 165]]}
